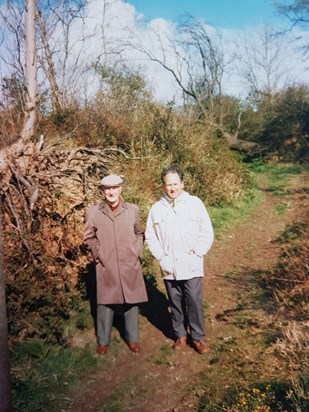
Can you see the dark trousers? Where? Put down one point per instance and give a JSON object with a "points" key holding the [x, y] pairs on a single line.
{"points": [[105, 316], [186, 302]]}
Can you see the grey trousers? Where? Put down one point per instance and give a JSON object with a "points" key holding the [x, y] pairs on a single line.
{"points": [[186, 302], [105, 316]]}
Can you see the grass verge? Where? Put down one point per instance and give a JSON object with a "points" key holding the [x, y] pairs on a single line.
{"points": [[225, 217], [41, 374]]}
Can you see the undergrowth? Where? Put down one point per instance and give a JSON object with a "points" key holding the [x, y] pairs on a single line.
{"points": [[270, 396], [288, 281]]}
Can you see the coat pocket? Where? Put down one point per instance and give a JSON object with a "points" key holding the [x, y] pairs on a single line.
{"points": [[166, 264]]}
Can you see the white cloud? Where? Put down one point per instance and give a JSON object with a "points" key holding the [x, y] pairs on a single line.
{"points": [[125, 25], [109, 30]]}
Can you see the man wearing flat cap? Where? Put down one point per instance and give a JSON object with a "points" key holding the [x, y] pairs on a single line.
{"points": [[114, 235]]}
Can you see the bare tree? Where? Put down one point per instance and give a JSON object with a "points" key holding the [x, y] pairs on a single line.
{"points": [[30, 108], [61, 45], [194, 59], [31, 72], [263, 61], [297, 11], [14, 56], [12, 37], [67, 31], [49, 67], [65, 38]]}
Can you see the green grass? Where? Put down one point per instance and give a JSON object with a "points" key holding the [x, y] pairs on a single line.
{"points": [[162, 357], [281, 209], [277, 174], [41, 374], [277, 170], [225, 217]]}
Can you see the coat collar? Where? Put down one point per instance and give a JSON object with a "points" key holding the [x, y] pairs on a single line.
{"points": [[167, 201], [108, 212]]}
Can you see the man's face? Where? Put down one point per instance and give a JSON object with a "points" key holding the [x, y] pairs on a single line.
{"points": [[173, 185], [112, 194]]}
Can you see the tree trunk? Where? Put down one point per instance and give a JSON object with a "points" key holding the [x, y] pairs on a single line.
{"points": [[31, 72], [50, 71], [5, 379]]}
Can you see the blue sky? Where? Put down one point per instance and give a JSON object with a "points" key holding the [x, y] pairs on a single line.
{"points": [[232, 14]]}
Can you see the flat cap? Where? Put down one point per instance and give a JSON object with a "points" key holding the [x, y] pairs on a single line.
{"points": [[111, 180]]}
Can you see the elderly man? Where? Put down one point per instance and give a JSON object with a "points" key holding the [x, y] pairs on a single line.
{"points": [[114, 235], [178, 234]]}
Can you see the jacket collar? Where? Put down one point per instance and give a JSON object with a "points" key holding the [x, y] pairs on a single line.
{"points": [[107, 210], [167, 201]]}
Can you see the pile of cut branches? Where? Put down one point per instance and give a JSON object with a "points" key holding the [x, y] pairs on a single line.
{"points": [[44, 194]]}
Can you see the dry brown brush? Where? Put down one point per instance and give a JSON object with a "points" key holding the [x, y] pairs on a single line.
{"points": [[289, 280], [47, 187], [44, 195]]}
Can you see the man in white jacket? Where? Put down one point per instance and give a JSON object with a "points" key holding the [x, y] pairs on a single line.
{"points": [[178, 234]]}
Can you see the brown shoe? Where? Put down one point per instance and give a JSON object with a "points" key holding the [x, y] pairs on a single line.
{"points": [[180, 343], [102, 349], [200, 346], [134, 347]]}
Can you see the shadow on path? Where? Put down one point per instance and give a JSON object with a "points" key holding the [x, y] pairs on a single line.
{"points": [[156, 310]]}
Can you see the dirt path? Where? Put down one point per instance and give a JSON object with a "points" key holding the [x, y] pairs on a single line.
{"points": [[159, 379]]}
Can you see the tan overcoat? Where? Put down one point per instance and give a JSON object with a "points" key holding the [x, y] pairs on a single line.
{"points": [[115, 241]]}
